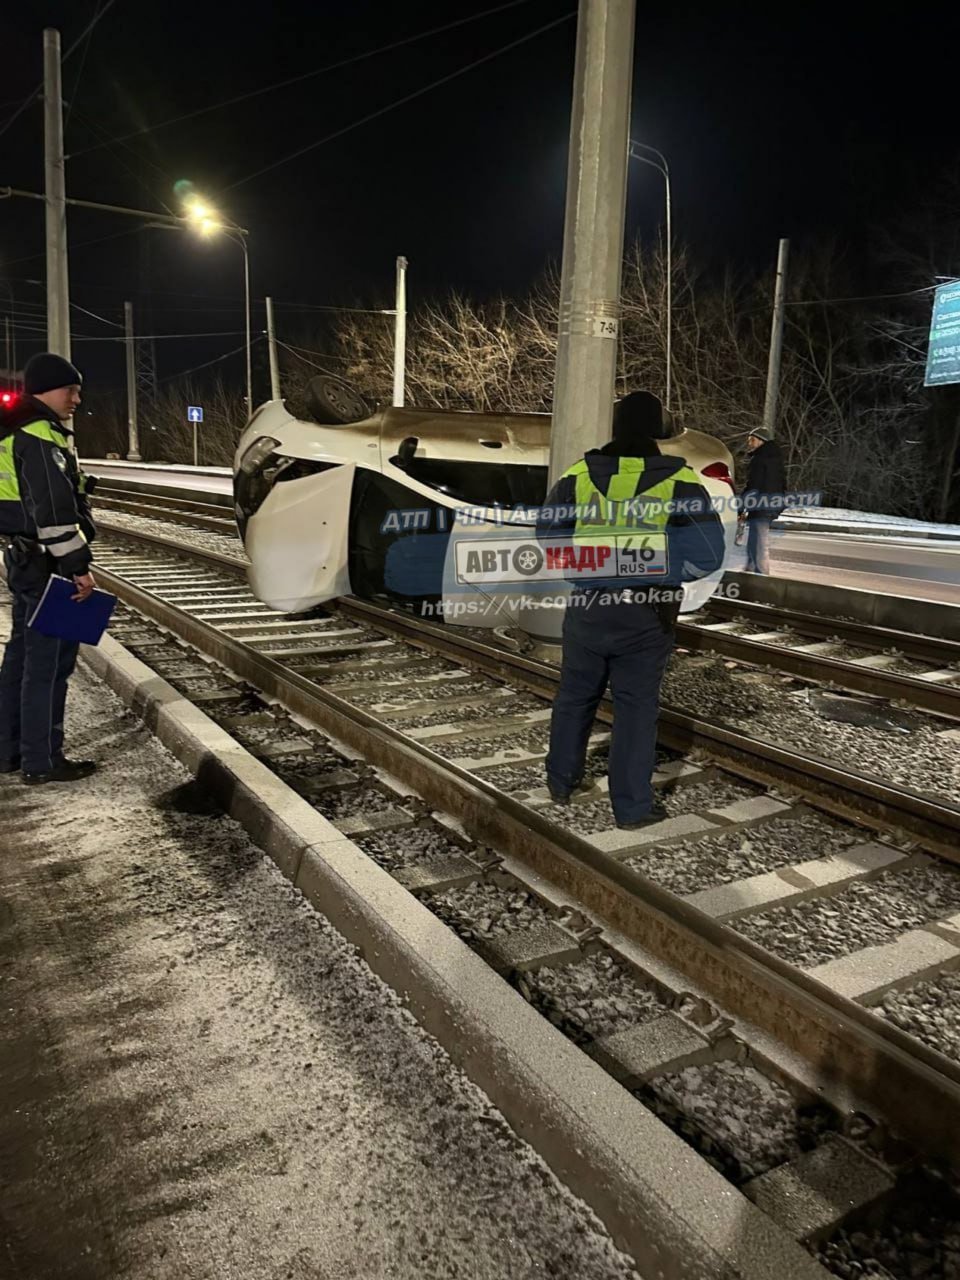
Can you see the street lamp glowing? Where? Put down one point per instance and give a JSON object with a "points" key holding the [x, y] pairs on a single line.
{"points": [[201, 216]]}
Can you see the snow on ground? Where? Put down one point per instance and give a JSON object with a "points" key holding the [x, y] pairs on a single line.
{"points": [[200, 1078], [842, 515]]}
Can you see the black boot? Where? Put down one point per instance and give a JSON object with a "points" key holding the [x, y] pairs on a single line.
{"points": [[65, 771], [658, 813]]}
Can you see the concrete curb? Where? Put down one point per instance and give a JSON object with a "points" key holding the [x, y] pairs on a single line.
{"points": [[671, 1211]]}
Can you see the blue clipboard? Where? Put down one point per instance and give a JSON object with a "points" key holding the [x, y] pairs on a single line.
{"points": [[62, 618]]}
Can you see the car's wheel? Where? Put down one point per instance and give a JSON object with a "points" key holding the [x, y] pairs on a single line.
{"points": [[334, 403]]}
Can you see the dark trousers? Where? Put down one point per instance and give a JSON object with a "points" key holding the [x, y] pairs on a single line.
{"points": [[627, 647], [758, 543], [34, 675]]}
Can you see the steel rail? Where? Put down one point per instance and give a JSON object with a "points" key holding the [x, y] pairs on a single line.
{"points": [[933, 649], [941, 699], [913, 1088], [841, 791]]}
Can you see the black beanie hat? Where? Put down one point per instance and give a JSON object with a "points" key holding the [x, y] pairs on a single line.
{"points": [[637, 417], [47, 372]]}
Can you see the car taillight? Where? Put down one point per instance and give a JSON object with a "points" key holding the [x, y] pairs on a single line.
{"points": [[718, 471]]}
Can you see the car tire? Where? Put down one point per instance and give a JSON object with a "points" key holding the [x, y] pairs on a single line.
{"points": [[333, 402]]}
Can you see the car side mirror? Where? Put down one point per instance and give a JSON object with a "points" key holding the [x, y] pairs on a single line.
{"points": [[407, 451]]}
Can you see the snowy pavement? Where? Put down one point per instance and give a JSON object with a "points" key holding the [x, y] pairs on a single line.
{"points": [[200, 1078]]}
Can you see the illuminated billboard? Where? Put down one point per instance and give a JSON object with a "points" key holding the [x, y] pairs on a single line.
{"points": [[943, 354]]}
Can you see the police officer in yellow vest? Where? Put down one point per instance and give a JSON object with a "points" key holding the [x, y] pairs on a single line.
{"points": [[631, 525], [46, 527]]}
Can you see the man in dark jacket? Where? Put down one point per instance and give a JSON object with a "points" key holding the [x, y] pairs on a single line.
{"points": [[629, 508], [46, 525], [762, 497]]}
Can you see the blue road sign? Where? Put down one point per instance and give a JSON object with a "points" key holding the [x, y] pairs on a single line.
{"points": [[943, 354], [194, 413]]}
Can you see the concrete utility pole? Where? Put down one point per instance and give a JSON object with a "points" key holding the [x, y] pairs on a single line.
{"points": [[776, 342], [272, 347], [58, 290], [400, 335], [593, 231], [133, 434]]}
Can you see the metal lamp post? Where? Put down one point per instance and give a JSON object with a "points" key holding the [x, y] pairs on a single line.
{"points": [[659, 162], [202, 218], [241, 240]]}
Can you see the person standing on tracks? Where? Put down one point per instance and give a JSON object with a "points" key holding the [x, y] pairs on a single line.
{"points": [[762, 497], [45, 517], [626, 507]]}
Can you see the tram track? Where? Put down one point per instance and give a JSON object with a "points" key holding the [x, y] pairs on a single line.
{"points": [[403, 695], [841, 790], [877, 662], [291, 656]]}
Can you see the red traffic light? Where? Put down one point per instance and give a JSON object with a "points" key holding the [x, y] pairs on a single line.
{"points": [[7, 397]]}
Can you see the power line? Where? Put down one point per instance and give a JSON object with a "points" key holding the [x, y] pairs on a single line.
{"points": [[306, 75], [83, 63], [417, 93], [138, 177], [296, 351], [869, 297], [156, 337], [113, 324], [197, 367], [101, 13], [114, 235]]}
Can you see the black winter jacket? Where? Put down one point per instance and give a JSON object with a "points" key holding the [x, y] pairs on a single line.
{"points": [[44, 492], [766, 481]]}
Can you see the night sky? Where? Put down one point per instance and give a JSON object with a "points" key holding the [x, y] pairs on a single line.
{"points": [[794, 120]]}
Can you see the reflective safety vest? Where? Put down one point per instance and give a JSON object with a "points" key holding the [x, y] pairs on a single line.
{"points": [[9, 480], [56, 487], [625, 529]]}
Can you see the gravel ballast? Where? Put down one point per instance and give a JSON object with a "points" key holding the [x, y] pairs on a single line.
{"points": [[930, 1011], [920, 758], [736, 855], [201, 1078], [594, 998], [479, 911], [202, 539], [864, 915], [917, 1237], [409, 846], [740, 1120]]}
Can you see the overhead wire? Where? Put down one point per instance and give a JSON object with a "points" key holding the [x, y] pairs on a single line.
{"points": [[95, 128], [197, 367], [83, 63], [308, 75], [100, 14], [103, 319], [869, 297], [409, 97], [299, 353], [114, 235], [157, 337]]}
